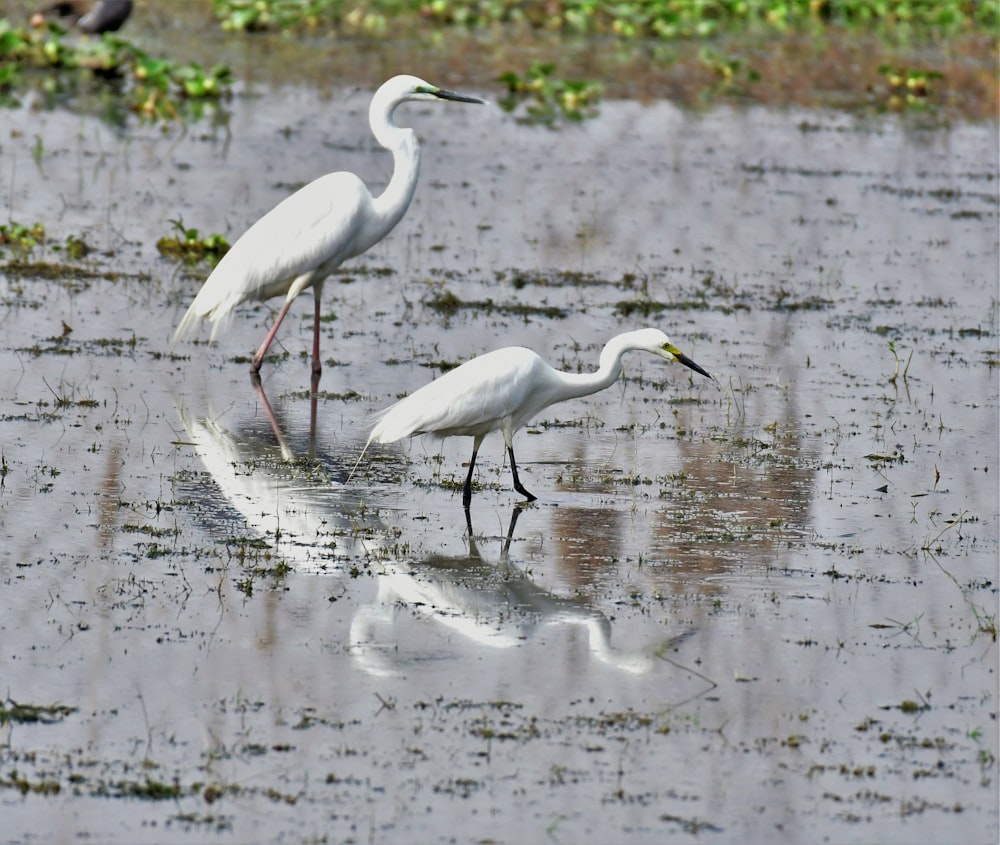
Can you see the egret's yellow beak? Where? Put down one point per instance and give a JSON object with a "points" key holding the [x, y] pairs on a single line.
{"points": [[681, 358]]}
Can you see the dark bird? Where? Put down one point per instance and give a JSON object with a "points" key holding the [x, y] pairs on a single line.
{"points": [[90, 16]]}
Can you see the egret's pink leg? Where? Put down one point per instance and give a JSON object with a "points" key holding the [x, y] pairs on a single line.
{"points": [[262, 351], [317, 370], [312, 415], [271, 418], [317, 365]]}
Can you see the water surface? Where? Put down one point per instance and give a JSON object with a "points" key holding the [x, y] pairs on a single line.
{"points": [[759, 609]]}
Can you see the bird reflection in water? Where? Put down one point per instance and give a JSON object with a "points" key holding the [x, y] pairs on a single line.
{"points": [[276, 427], [488, 604], [261, 479]]}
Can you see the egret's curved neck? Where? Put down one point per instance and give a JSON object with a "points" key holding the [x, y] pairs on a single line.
{"points": [[392, 203], [609, 369]]}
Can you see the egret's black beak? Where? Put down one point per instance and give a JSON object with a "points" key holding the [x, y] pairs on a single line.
{"points": [[444, 94], [687, 362]]}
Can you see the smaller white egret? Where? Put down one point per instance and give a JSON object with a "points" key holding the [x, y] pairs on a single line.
{"points": [[304, 238], [502, 390]]}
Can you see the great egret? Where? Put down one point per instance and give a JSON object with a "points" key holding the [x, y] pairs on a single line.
{"points": [[502, 390], [307, 236], [92, 16]]}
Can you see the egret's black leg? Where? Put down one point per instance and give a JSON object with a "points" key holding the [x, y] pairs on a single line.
{"points": [[467, 489], [510, 528], [517, 481]]}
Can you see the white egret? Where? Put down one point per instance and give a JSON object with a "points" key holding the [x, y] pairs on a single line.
{"points": [[502, 390], [308, 235]]}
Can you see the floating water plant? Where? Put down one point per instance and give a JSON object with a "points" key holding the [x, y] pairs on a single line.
{"points": [[731, 73], [154, 87], [189, 246], [665, 19], [254, 15], [549, 98], [20, 238], [909, 88]]}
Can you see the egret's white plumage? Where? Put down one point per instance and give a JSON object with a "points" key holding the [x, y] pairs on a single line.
{"points": [[305, 237], [502, 390]]}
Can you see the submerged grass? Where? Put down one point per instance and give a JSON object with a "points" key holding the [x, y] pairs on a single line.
{"points": [[13, 712], [448, 304]]}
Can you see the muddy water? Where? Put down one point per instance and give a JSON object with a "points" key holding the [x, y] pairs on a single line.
{"points": [[760, 609]]}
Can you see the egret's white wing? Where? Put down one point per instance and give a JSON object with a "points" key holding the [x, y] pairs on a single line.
{"points": [[469, 400], [313, 230]]}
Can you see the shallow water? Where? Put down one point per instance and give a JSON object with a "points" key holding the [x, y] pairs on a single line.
{"points": [[761, 609]]}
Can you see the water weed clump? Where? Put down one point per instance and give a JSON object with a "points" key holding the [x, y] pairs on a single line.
{"points": [[188, 245], [153, 87], [664, 19], [549, 99]]}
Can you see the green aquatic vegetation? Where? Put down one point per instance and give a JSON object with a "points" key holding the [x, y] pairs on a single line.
{"points": [[785, 302], [448, 304], [189, 246], [74, 248], [663, 19], [163, 89], [556, 278], [208, 821], [909, 88], [23, 239], [906, 369], [20, 238], [25, 786], [986, 622], [45, 714], [153, 87], [146, 790], [549, 99], [732, 75], [257, 15]]}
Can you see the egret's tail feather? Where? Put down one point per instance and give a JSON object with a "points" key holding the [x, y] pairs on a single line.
{"points": [[193, 318], [374, 437], [357, 463], [189, 322]]}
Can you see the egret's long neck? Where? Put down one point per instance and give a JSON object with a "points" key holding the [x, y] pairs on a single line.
{"points": [[392, 203], [609, 369]]}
